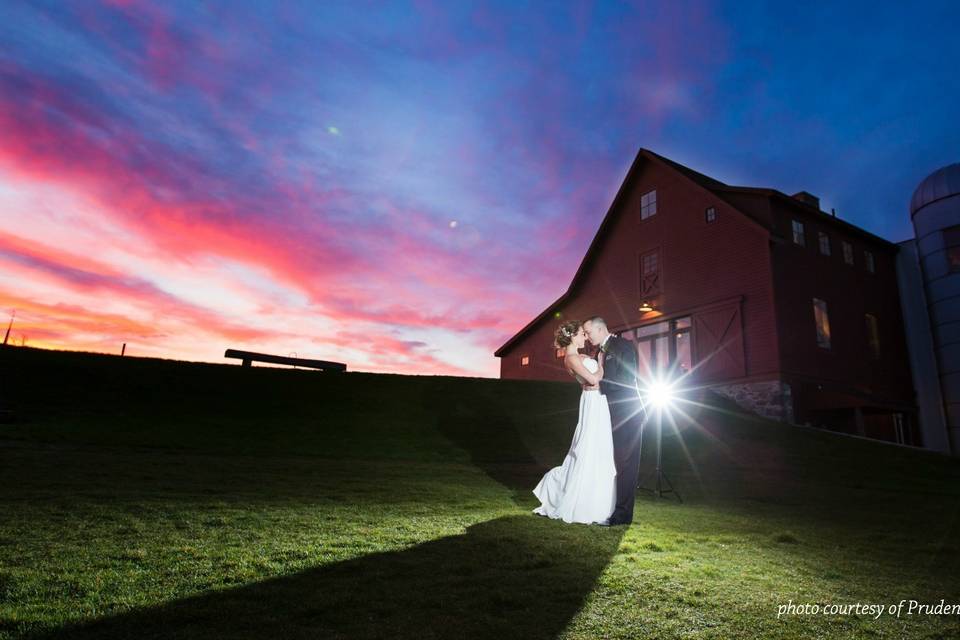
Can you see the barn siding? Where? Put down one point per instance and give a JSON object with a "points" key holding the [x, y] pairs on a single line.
{"points": [[850, 292]]}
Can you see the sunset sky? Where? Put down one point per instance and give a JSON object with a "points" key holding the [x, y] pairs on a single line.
{"points": [[403, 187]]}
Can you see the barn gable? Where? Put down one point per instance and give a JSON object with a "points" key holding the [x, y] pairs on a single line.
{"points": [[644, 156]]}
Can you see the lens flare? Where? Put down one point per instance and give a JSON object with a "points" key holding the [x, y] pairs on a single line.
{"points": [[659, 394]]}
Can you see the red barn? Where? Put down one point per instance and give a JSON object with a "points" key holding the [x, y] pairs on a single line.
{"points": [[789, 311]]}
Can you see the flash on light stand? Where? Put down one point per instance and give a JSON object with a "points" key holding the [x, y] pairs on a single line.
{"points": [[658, 396]]}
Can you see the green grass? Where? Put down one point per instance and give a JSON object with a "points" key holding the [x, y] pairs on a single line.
{"points": [[159, 499]]}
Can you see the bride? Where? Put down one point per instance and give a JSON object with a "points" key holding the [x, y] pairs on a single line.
{"points": [[583, 488]]}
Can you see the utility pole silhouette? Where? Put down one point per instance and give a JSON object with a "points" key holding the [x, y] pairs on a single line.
{"points": [[7, 336], [6, 412]]}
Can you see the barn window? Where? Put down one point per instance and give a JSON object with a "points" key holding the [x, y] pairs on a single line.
{"points": [[951, 242], [873, 335], [868, 259], [798, 237], [649, 273], [847, 252], [824, 240], [648, 204], [524, 361], [822, 322], [711, 214], [663, 347]]}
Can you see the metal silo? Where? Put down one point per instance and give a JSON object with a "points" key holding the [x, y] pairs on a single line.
{"points": [[935, 211]]}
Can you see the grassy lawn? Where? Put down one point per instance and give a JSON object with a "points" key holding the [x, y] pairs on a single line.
{"points": [[159, 499]]}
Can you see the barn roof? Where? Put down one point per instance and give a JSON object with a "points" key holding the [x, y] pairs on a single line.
{"points": [[720, 190]]}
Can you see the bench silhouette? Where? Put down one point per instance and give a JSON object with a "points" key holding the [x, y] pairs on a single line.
{"points": [[250, 356]]}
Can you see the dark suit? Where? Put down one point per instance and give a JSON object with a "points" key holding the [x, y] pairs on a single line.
{"points": [[619, 385]]}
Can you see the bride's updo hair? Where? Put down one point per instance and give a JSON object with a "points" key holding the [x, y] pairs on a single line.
{"points": [[563, 336]]}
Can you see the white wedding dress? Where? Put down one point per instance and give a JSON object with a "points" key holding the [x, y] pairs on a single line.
{"points": [[583, 488]]}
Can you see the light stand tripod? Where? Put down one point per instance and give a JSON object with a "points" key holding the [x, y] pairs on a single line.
{"points": [[660, 476]]}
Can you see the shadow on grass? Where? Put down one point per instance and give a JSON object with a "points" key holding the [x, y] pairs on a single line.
{"points": [[519, 576], [511, 577], [481, 426]]}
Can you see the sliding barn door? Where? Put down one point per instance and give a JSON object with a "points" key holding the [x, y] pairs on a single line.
{"points": [[718, 343]]}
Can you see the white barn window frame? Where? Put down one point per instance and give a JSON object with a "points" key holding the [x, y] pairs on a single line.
{"points": [[648, 205], [823, 239], [847, 252], [799, 237]]}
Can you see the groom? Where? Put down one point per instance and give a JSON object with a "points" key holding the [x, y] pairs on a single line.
{"points": [[619, 385]]}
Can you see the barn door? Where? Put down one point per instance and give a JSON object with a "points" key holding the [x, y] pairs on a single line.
{"points": [[718, 342]]}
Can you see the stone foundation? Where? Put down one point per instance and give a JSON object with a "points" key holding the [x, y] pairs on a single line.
{"points": [[770, 398]]}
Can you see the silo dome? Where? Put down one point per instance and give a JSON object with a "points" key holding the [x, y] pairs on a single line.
{"points": [[942, 183]]}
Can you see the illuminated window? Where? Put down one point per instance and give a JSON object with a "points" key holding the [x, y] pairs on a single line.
{"points": [[951, 243], [824, 240], [648, 204], [663, 346], [798, 237], [711, 214], [868, 259], [873, 336], [524, 361], [822, 322], [847, 252]]}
